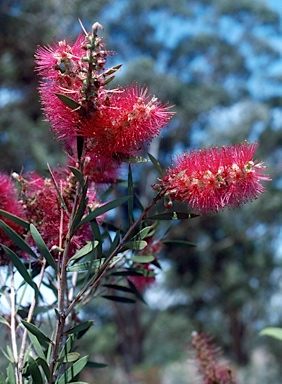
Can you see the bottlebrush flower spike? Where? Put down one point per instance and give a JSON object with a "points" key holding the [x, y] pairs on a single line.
{"points": [[214, 178], [210, 365], [46, 211], [127, 119]]}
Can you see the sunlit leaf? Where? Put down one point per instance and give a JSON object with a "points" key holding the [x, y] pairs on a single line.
{"points": [[4, 321], [136, 245], [142, 259], [11, 379], [84, 250], [70, 357], [274, 332]]}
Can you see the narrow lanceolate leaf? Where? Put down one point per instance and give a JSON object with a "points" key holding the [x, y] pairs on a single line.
{"points": [[43, 363], [4, 321], [142, 259], [15, 219], [173, 216], [78, 175], [36, 345], [41, 337], [145, 232], [10, 375], [2, 378], [42, 246], [180, 242], [72, 104], [130, 193], [274, 332], [117, 287], [81, 208], [17, 239], [156, 164], [136, 245], [70, 357], [72, 371], [83, 327], [104, 208], [84, 250], [34, 370], [20, 267], [119, 299]]}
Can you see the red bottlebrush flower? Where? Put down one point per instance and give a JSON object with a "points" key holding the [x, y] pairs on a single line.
{"points": [[9, 202], [212, 368], [214, 178], [60, 67], [45, 210], [73, 75], [126, 120]]}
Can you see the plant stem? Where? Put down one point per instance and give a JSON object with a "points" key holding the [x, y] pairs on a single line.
{"points": [[29, 318], [13, 324]]}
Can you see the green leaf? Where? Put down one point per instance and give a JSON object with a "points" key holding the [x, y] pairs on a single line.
{"points": [[4, 321], [41, 337], [34, 371], [130, 193], [119, 299], [81, 209], [36, 345], [145, 232], [2, 378], [142, 259], [84, 250], [180, 242], [156, 164], [136, 245], [72, 104], [80, 328], [10, 375], [15, 219], [274, 332], [78, 175], [93, 364], [20, 267], [104, 208], [136, 292], [173, 216], [135, 160], [118, 287], [42, 246], [73, 371], [42, 362], [70, 357], [17, 239]]}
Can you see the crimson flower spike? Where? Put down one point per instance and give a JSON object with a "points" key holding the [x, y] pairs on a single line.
{"points": [[214, 178]]}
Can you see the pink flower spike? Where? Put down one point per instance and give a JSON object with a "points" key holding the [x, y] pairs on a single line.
{"points": [[214, 178], [127, 120]]}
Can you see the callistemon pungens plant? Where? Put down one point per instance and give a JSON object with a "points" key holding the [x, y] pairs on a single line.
{"points": [[59, 228]]}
